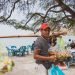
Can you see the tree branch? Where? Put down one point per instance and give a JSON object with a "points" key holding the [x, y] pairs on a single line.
{"points": [[70, 19], [62, 18], [65, 7], [5, 19], [49, 10], [33, 16]]}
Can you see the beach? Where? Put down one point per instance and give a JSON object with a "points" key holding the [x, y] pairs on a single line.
{"points": [[22, 63]]}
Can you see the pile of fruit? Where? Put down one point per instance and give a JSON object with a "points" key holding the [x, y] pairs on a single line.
{"points": [[63, 55], [6, 64]]}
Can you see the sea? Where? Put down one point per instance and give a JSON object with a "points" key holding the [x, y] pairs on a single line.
{"points": [[18, 42], [22, 41]]}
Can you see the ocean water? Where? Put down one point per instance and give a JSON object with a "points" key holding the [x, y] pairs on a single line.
{"points": [[22, 41], [18, 41]]}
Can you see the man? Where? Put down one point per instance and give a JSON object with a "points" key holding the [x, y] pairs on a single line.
{"points": [[42, 44]]}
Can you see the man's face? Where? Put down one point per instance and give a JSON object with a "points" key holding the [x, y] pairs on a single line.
{"points": [[45, 32]]}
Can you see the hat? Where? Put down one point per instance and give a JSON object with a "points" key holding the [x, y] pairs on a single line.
{"points": [[44, 26]]}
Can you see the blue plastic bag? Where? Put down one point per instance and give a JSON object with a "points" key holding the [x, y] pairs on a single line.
{"points": [[52, 70], [55, 70]]}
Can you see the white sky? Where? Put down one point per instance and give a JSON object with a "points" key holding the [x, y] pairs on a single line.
{"points": [[19, 16], [6, 30]]}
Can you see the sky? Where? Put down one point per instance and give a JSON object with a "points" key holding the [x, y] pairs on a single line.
{"points": [[6, 30], [10, 30]]}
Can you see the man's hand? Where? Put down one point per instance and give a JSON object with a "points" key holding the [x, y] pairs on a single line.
{"points": [[59, 33], [52, 58]]}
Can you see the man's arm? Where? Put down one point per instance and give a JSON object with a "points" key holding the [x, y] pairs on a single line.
{"points": [[44, 58], [58, 33]]}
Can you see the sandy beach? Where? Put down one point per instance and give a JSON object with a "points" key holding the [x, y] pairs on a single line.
{"points": [[22, 63]]}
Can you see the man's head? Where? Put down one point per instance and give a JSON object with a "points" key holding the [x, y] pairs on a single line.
{"points": [[45, 30]]}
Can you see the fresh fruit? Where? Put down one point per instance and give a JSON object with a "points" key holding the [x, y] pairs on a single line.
{"points": [[9, 68], [6, 65]]}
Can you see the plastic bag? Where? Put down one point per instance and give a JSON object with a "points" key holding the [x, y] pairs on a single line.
{"points": [[55, 70]]}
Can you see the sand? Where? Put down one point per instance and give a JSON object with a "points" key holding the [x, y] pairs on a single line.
{"points": [[21, 63]]}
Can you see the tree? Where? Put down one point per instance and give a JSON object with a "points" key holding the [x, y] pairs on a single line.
{"points": [[38, 11]]}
